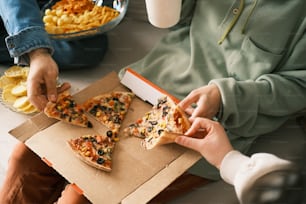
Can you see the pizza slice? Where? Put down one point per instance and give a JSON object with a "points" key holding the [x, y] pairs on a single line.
{"points": [[66, 109], [110, 108], [94, 150], [161, 125]]}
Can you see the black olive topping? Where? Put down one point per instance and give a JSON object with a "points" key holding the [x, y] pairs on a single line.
{"points": [[153, 122], [117, 120], [149, 140], [63, 115], [103, 108], [142, 134], [100, 160], [92, 139], [71, 103], [93, 111], [109, 133], [89, 124], [133, 125], [150, 129], [100, 152], [161, 101]]}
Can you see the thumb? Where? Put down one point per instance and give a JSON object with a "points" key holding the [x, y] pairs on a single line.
{"points": [[189, 142]]}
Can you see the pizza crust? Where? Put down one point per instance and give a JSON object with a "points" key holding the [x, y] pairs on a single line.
{"points": [[185, 121], [164, 138]]}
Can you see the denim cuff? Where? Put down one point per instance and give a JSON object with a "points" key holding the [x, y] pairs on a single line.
{"points": [[27, 40]]}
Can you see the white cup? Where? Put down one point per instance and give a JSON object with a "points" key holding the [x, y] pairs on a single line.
{"points": [[163, 13]]}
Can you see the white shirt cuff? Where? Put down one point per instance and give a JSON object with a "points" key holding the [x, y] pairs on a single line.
{"points": [[231, 164], [242, 171]]}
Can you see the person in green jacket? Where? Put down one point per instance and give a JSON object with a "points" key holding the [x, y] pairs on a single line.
{"points": [[240, 61]]}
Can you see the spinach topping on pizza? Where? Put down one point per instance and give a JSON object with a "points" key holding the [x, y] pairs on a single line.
{"points": [[95, 150], [110, 108], [66, 109]]}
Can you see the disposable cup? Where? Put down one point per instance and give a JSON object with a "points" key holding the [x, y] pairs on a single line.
{"points": [[163, 13]]}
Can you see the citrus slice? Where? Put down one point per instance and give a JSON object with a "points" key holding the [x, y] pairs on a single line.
{"points": [[27, 109], [31, 110], [4, 80], [14, 71], [25, 71], [7, 95], [19, 90], [21, 102]]}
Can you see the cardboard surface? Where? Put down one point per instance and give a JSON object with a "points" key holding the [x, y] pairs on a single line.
{"points": [[137, 176]]}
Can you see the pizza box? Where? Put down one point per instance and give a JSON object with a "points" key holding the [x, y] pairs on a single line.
{"points": [[137, 175]]}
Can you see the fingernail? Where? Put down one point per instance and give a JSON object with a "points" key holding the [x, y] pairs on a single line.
{"points": [[52, 97]]}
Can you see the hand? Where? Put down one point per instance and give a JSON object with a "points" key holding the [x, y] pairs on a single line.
{"points": [[42, 79], [213, 146], [207, 100]]}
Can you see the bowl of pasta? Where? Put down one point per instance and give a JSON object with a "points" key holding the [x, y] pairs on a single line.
{"points": [[67, 19]]}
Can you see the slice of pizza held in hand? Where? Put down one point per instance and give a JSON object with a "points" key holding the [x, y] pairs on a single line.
{"points": [[110, 108], [94, 150], [66, 109], [161, 125]]}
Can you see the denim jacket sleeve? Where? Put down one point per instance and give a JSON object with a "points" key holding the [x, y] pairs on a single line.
{"points": [[23, 22]]}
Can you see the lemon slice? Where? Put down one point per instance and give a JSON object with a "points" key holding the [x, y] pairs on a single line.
{"points": [[30, 110], [4, 80], [7, 95], [19, 90], [21, 102], [14, 71], [25, 71], [25, 108]]}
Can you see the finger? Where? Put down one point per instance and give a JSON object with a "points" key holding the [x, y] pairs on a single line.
{"points": [[35, 96], [189, 110], [199, 111], [51, 89], [202, 125], [40, 102], [188, 101], [195, 126], [189, 142], [65, 86]]}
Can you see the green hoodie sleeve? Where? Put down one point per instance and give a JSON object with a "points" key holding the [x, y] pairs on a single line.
{"points": [[255, 107]]}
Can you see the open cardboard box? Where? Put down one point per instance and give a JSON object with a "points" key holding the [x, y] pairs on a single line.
{"points": [[138, 175]]}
